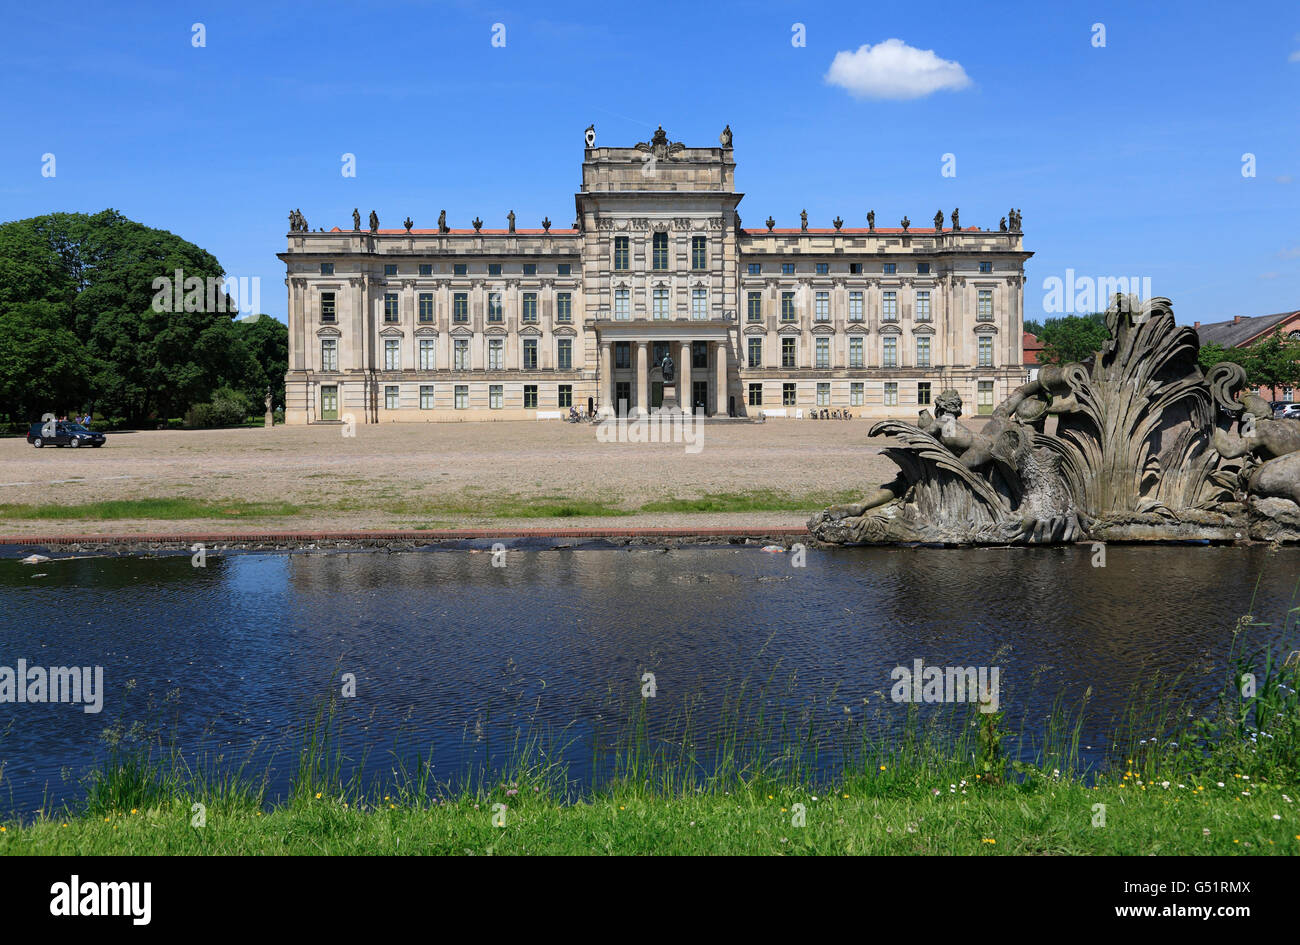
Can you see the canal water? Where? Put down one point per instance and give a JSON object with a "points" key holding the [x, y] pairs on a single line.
{"points": [[454, 656]]}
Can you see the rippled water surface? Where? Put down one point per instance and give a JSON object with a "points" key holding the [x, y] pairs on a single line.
{"points": [[452, 655]]}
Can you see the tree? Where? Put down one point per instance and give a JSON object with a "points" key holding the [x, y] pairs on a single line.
{"points": [[1212, 353], [99, 271], [1273, 362], [43, 367], [266, 342], [1072, 338]]}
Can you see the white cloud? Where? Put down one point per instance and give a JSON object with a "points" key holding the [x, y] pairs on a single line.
{"points": [[1283, 178], [1292, 253], [895, 70], [1294, 57]]}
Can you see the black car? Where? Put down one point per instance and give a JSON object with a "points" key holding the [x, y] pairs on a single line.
{"points": [[63, 433]]}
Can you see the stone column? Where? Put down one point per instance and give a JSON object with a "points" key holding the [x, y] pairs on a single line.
{"points": [[642, 378], [720, 365], [606, 396], [684, 396]]}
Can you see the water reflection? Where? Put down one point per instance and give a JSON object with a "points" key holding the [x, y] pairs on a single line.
{"points": [[446, 648]]}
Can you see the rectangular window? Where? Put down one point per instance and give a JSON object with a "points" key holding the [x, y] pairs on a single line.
{"points": [[699, 303], [857, 393], [891, 393], [622, 354], [460, 307], [327, 311], [755, 269], [564, 306], [428, 355], [496, 354], [891, 352], [787, 306], [823, 394], [855, 306], [564, 397], [923, 393], [392, 354], [496, 312], [922, 269], [390, 306], [530, 269], [563, 269], [426, 306], [823, 269], [621, 304], [462, 396], [426, 396], [699, 253], [460, 354], [984, 310], [890, 269], [788, 354], [699, 354], [755, 353], [986, 267], [855, 352], [986, 351], [496, 396], [889, 306], [755, 306], [660, 304], [855, 269], [923, 352], [659, 259], [923, 306], [530, 307], [390, 269], [426, 269], [822, 312], [787, 269], [494, 269], [459, 269], [329, 354], [391, 398], [620, 253], [823, 352], [327, 269], [756, 395], [564, 354], [984, 398], [530, 354], [530, 396], [787, 395]]}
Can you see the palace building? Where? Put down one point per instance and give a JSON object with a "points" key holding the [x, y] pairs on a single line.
{"points": [[479, 324]]}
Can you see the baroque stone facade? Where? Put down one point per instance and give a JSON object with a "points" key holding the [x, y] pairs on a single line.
{"points": [[454, 324]]}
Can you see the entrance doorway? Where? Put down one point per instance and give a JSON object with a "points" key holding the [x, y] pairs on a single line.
{"points": [[622, 397], [329, 402], [591, 406], [699, 396], [656, 395]]}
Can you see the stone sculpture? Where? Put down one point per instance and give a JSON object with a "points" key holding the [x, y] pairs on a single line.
{"points": [[871, 221], [356, 220], [1136, 443], [442, 222], [374, 222], [803, 220], [511, 217]]}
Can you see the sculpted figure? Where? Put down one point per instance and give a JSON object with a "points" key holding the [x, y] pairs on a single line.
{"points": [[956, 224], [803, 219], [511, 217], [374, 222], [871, 219], [356, 220], [442, 222], [1276, 443], [938, 220]]}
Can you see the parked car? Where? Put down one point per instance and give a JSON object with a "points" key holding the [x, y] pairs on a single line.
{"points": [[1287, 412], [64, 433]]}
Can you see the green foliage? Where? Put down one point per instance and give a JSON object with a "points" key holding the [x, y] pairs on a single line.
{"points": [[1072, 338], [227, 408], [79, 292], [1273, 361]]}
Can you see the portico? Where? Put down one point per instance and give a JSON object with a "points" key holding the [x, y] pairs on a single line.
{"points": [[631, 354]]}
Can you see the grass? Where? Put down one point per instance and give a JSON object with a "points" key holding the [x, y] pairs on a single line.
{"points": [[1225, 782], [155, 508], [388, 502]]}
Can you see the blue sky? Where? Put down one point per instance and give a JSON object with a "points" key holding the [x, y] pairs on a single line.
{"points": [[1125, 160]]}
